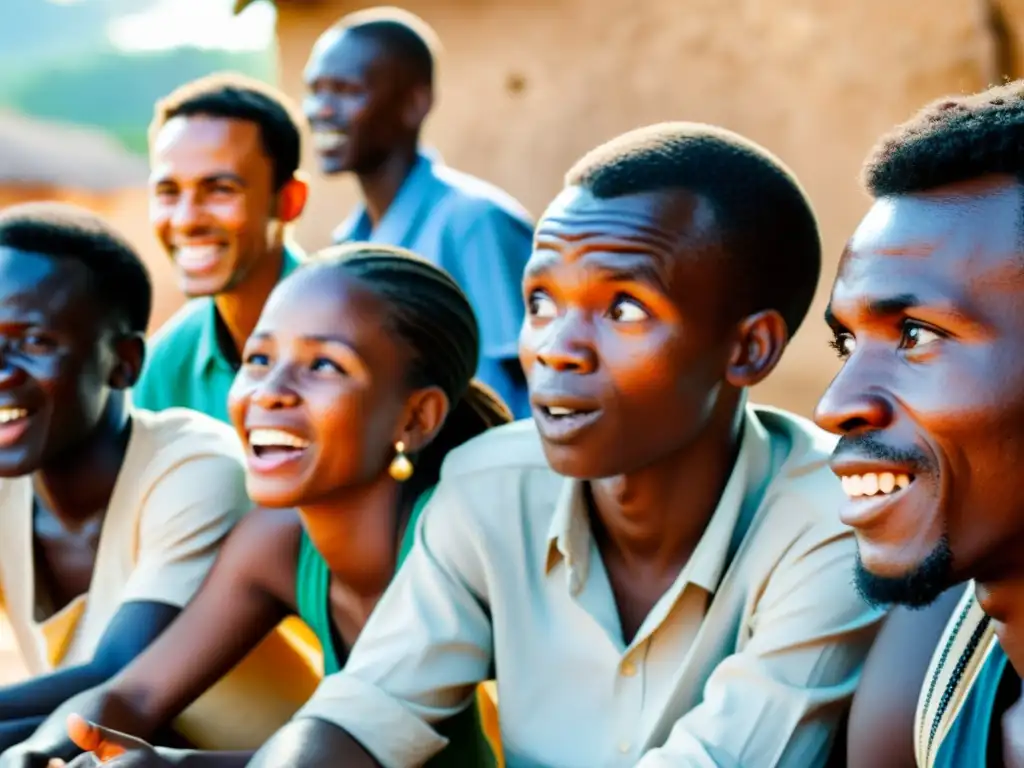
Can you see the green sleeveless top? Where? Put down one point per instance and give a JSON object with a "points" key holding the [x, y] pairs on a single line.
{"points": [[467, 747]]}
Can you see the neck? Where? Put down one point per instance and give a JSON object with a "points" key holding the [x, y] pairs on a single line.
{"points": [[78, 484], [355, 534], [1003, 601], [656, 516], [380, 187], [240, 307]]}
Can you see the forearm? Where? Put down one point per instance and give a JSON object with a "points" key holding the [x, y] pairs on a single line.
{"points": [[311, 743], [197, 759], [16, 731], [41, 695]]}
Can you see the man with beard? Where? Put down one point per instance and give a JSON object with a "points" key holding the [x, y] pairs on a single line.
{"points": [[370, 82], [928, 313]]}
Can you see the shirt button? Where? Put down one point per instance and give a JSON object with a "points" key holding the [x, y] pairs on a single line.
{"points": [[624, 747], [628, 670]]}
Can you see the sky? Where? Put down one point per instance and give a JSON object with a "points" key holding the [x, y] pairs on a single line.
{"points": [[199, 23]]}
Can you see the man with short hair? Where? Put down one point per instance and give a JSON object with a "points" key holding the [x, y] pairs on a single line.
{"points": [[224, 153], [653, 567], [370, 83], [110, 517], [928, 314]]}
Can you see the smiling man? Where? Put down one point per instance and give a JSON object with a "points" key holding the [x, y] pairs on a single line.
{"points": [[653, 568], [370, 83], [110, 517], [928, 313], [224, 151]]}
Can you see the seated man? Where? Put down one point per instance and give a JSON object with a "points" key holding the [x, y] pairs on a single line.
{"points": [[109, 518], [653, 567], [928, 313]]}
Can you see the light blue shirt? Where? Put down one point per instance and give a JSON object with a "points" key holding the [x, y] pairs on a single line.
{"points": [[482, 237]]}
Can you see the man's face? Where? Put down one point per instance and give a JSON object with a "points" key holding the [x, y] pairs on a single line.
{"points": [[625, 343], [928, 311], [358, 103], [57, 356], [212, 201]]}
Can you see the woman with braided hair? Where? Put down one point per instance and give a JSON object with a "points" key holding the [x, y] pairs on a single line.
{"points": [[354, 386]]}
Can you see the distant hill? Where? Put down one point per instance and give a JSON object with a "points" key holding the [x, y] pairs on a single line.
{"points": [[117, 91]]}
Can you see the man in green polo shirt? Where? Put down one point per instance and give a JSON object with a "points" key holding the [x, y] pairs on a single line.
{"points": [[224, 154]]}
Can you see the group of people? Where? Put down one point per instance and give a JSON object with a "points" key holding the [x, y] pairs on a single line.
{"points": [[462, 490]]}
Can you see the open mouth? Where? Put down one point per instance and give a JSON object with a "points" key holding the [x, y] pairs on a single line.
{"points": [[875, 484], [561, 423], [14, 422], [329, 141], [198, 259], [275, 446], [9, 415]]}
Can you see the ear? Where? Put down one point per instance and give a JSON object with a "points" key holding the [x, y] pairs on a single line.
{"points": [[292, 197], [130, 350], [760, 341], [426, 411], [417, 106]]}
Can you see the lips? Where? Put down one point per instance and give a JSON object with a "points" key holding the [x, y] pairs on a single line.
{"points": [[271, 448], [327, 141], [563, 419], [873, 490], [14, 422], [199, 259]]}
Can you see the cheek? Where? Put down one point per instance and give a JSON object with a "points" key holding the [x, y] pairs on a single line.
{"points": [[238, 407]]}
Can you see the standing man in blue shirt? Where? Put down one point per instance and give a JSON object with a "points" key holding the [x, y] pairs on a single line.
{"points": [[370, 87]]}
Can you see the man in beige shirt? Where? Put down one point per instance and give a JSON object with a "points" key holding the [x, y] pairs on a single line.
{"points": [[110, 517], [652, 569]]}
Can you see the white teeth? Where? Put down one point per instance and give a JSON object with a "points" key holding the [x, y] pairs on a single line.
{"points": [[12, 414], [276, 438], [196, 256], [556, 411], [873, 484], [326, 141]]}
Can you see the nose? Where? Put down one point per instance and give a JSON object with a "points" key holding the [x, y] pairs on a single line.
{"points": [[275, 391], [10, 375], [566, 346], [848, 406], [187, 213], [317, 107]]}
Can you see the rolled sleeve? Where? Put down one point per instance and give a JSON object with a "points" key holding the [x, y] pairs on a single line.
{"points": [[186, 516], [424, 649], [778, 701]]}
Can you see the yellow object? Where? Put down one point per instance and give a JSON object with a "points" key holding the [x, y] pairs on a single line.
{"points": [[401, 467]]}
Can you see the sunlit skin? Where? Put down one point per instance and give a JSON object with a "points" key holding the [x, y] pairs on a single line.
{"points": [[626, 324], [928, 310], [365, 109], [214, 208]]}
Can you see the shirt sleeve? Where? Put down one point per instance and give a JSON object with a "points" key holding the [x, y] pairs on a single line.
{"points": [[424, 649], [185, 518], [779, 700], [492, 255]]}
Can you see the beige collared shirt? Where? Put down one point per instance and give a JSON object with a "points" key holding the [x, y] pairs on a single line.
{"points": [[180, 491], [748, 661]]}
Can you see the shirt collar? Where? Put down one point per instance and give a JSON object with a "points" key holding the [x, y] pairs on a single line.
{"points": [[208, 349], [403, 217], [569, 537]]}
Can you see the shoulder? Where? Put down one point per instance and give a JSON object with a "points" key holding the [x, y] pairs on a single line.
{"points": [[189, 443], [268, 539], [508, 450], [476, 202], [175, 340]]}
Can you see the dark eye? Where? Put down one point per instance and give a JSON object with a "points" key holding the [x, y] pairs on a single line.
{"points": [[916, 336], [844, 344], [626, 309], [39, 344], [541, 305], [323, 365], [257, 360]]}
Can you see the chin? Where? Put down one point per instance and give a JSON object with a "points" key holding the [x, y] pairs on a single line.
{"points": [[273, 495], [578, 464], [915, 586]]}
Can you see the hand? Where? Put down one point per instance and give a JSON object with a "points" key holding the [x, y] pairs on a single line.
{"points": [[103, 746]]}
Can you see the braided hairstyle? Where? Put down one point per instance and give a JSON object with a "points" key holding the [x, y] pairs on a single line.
{"points": [[429, 311]]}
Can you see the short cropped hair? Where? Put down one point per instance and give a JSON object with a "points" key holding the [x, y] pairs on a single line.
{"points": [[120, 279], [232, 96], [401, 34], [763, 218], [951, 140]]}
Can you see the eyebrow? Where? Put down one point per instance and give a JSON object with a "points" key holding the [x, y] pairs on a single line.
{"points": [[226, 176], [878, 308], [643, 268]]}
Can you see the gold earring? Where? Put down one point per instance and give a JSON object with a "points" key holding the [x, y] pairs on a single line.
{"points": [[401, 467]]}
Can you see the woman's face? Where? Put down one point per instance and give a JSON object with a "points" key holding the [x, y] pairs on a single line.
{"points": [[321, 395]]}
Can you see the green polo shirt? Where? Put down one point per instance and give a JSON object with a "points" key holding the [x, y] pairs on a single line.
{"points": [[185, 361]]}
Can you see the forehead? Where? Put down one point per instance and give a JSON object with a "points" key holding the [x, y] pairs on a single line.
{"points": [[200, 145], [48, 289], [344, 55], [956, 245]]}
